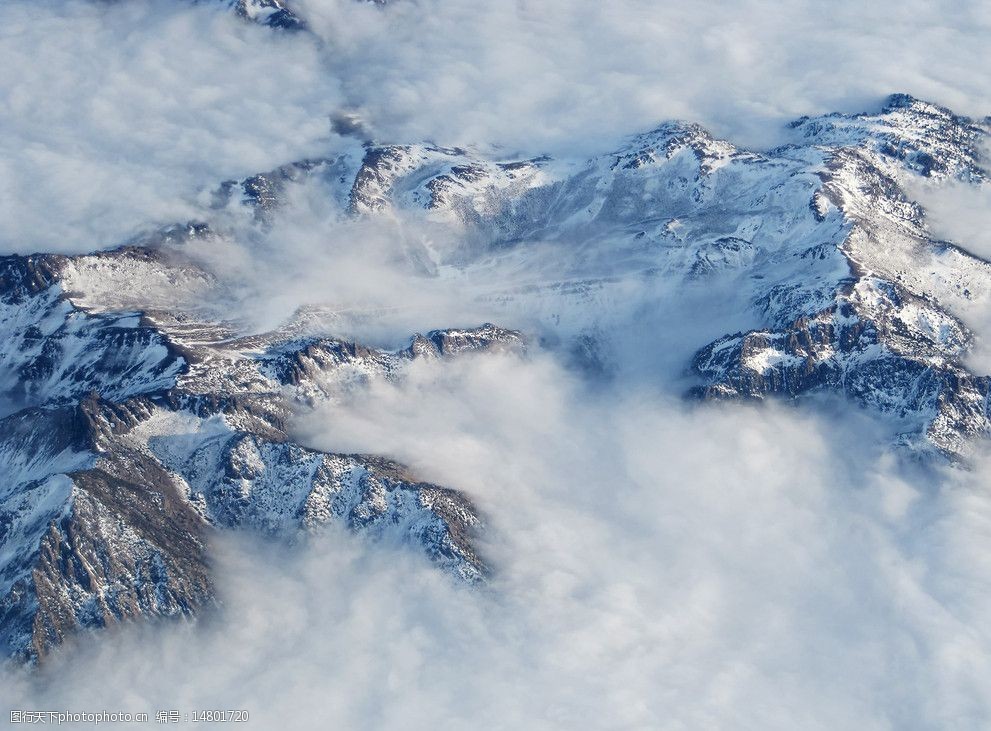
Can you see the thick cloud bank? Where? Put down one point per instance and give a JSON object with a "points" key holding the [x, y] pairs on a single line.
{"points": [[115, 115], [539, 74], [653, 568]]}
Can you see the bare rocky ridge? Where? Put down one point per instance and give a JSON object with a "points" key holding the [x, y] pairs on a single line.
{"points": [[888, 338]]}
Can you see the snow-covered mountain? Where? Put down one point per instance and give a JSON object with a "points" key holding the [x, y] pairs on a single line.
{"points": [[133, 433], [821, 243], [139, 416], [273, 13]]}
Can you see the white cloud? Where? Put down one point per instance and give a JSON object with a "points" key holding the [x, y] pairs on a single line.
{"points": [[654, 568], [374, 279], [549, 75], [959, 213], [117, 114]]}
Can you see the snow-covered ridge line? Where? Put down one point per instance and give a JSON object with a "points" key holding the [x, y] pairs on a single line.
{"points": [[129, 443], [819, 228], [140, 418]]}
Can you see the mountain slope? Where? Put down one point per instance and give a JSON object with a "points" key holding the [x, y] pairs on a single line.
{"points": [[140, 413], [109, 499], [817, 240]]}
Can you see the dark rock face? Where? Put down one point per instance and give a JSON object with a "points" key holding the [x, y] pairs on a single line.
{"points": [[925, 138], [106, 535], [132, 546], [54, 353], [874, 358]]}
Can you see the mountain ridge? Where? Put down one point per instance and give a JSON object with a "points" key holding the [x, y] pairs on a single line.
{"points": [[140, 417]]}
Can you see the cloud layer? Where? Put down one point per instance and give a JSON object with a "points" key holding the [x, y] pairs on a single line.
{"points": [[117, 114], [548, 75], [655, 568]]}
